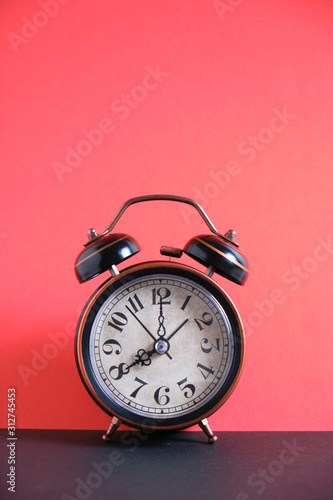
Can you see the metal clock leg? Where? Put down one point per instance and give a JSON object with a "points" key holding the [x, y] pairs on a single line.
{"points": [[204, 425], [114, 424]]}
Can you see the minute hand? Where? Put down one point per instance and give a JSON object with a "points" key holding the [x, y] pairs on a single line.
{"points": [[177, 329], [139, 321]]}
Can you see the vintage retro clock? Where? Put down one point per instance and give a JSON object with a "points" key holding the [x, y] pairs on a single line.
{"points": [[160, 345]]}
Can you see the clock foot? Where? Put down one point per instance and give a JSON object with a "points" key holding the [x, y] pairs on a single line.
{"points": [[204, 425], [115, 423]]}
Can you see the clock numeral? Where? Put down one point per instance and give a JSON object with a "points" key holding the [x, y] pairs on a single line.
{"points": [[119, 320], [108, 347], [205, 371], [163, 399], [186, 301], [134, 393], [116, 372], [207, 320], [135, 304], [163, 293], [187, 389], [208, 349]]}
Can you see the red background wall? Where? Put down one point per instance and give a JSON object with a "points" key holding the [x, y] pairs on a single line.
{"points": [[237, 114]]}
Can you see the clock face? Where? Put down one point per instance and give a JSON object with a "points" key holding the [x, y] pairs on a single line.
{"points": [[162, 342]]}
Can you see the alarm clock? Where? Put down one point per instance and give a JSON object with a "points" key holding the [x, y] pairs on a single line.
{"points": [[160, 345]]}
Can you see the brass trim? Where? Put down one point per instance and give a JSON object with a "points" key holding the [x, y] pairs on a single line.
{"points": [[222, 253], [101, 249], [78, 345]]}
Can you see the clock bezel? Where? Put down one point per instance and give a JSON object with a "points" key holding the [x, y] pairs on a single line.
{"points": [[131, 418]]}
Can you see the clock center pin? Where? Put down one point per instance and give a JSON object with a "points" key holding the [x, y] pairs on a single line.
{"points": [[161, 346]]}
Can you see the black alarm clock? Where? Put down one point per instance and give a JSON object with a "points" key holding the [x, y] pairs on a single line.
{"points": [[160, 345]]}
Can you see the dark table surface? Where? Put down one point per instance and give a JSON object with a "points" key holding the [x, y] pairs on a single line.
{"points": [[67, 465]]}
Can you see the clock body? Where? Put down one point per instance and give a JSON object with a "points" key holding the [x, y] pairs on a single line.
{"points": [[160, 345]]}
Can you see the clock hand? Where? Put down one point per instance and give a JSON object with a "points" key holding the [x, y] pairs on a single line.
{"points": [[177, 330], [161, 318], [143, 357], [139, 321], [161, 345]]}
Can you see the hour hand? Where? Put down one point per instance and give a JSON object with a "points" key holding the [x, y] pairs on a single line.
{"points": [[143, 357]]}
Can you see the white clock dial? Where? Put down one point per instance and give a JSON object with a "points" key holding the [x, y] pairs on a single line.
{"points": [[161, 346]]}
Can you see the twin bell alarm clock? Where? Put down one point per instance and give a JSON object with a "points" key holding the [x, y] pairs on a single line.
{"points": [[160, 345]]}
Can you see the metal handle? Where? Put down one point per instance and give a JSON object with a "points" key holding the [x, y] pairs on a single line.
{"points": [[165, 197]]}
